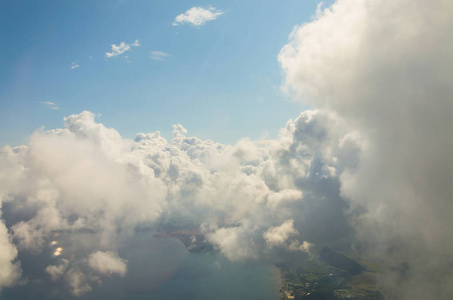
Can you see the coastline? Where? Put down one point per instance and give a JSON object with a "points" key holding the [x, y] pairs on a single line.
{"points": [[281, 294]]}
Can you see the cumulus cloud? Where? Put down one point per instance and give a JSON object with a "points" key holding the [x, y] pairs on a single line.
{"points": [[236, 243], [78, 281], [57, 271], [107, 263], [107, 186], [277, 236], [197, 16], [9, 268], [121, 48], [82, 274], [304, 247], [385, 68], [87, 177]]}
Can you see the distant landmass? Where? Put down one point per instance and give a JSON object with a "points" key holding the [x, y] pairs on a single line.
{"points": [[333, 276], [341, 261], [193, 239]]}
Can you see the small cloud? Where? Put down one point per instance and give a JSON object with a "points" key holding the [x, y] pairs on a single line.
{"points": [[121, 48], [158, 55], [74, 65], [197, 16], [217, 264], [50, 105], [107, 263]]}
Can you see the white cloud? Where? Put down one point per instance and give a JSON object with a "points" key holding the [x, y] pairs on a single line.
{"points": [[82, 274], [197, 16], [121, 48], [88, 176], [235, 243], [50, 105], [9, 269], [57, 271], [78, 281], [74, 65], [158, 55], [278, 235], [386, 69], [107, 263], [304, 247]]}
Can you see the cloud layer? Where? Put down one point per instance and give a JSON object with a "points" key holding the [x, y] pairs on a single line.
{"points": [[251, 201]]}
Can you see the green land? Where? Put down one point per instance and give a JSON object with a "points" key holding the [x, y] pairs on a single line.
{"points": [[332, 276]]}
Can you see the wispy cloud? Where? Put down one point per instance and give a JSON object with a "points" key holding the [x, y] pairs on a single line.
{"points": [[158, 55], [197, 16], [50, 105], [74, 65], [121, 48]]}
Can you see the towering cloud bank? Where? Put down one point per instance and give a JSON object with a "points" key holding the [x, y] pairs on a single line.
{"points": [[252, 200], [386, 68]]}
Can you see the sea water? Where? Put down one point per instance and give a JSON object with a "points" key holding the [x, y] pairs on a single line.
{"points": [[162, 268]]}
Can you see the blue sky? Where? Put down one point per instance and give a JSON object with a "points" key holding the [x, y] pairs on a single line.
{"points": [[221, 80]]}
